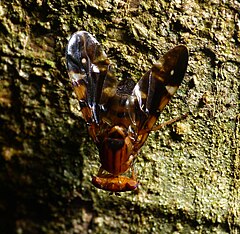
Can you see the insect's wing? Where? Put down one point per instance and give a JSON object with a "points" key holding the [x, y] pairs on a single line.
{"points": [[90, 72], [157, 86]]}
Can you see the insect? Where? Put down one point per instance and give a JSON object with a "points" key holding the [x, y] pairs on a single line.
{"points": [[120, 115]]}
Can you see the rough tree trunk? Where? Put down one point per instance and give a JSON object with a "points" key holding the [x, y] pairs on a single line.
{"points": [[189, 172]]}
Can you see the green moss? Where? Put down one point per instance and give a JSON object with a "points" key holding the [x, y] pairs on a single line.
{"points": [[188, 182]]}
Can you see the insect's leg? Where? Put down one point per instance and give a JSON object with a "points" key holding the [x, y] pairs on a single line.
{"points": [[171, 121], [134, 177], [100, 172], [103, 173]]}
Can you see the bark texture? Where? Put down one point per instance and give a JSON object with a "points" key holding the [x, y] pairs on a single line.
{"points": [[189, 172]]}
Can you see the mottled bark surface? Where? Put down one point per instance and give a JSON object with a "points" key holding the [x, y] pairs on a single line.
{"points": [[189, 172]]}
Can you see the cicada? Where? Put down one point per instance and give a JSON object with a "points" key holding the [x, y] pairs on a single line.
{"points": [[120, 115]]}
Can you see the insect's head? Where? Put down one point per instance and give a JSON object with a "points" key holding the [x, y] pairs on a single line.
{"points": [[115, 184]]}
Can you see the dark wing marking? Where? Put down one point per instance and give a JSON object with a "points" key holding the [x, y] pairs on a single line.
{"points": [[90, 72], [157, 86]]}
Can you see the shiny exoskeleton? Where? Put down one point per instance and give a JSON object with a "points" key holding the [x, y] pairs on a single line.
{"points": [[119, 116]]}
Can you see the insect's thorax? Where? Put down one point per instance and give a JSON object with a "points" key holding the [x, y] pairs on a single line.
{"points": [[115, 150]]}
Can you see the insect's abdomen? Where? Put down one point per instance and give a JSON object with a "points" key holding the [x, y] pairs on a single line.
{"points": [[115, 151]]}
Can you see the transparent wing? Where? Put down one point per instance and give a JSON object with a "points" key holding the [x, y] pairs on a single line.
{"points": [[157, 86], [90, 72]]}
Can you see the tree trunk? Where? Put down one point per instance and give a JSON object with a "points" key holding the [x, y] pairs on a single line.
{"points": [[188, 172]]}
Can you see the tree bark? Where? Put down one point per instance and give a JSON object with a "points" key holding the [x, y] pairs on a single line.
{"points": [[188, 172]]}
